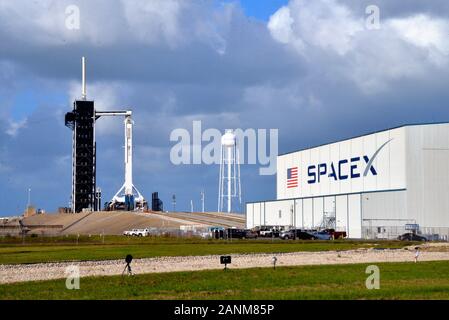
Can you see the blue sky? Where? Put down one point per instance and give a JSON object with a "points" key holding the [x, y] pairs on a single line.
{"points": [[313, 70], [31, 96], [261, 10]]}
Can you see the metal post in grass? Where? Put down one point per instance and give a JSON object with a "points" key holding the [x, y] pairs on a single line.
{"points": [[274, 262]]}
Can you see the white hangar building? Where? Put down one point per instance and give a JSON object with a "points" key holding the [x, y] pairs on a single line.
{"points": [[373, 186]]}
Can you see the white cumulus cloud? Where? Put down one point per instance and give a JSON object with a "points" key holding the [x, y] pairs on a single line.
{"points": [[15, 126], [333, 38]]}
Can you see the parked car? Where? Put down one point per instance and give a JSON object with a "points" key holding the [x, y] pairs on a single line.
{"points": [[137, 233], [130, 233], [217, 232], [266, 232], [142, 233], [322, 235], [411, 237], [336, 234], [127, 233], [287, 234], [297, 234], [269, 231], [233, 233], [250, 234]]}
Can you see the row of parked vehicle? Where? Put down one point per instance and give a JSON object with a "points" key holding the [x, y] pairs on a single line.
{"points": [[304, 234], [276, 232]]}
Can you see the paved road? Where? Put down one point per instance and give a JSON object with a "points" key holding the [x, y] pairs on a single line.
{"points": [[212, 219]]}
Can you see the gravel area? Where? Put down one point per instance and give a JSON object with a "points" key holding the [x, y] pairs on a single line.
{"points": [[47, 271]]}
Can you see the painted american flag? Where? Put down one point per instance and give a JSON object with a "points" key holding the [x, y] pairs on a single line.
{"points": [[292, 177]]}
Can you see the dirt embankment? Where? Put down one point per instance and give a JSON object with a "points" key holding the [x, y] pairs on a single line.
{"points": [[114, 223]]}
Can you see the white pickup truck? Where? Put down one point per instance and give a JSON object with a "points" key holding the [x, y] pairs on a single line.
{"points": [[137, 233]]}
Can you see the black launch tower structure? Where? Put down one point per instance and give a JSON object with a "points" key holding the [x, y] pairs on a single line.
{"points": [[82, 122]]}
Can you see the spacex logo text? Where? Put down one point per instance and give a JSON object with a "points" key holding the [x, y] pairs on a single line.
{"points": [[344, 169]]}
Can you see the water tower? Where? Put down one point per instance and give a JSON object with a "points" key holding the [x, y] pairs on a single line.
{"points": [[229, 191]]}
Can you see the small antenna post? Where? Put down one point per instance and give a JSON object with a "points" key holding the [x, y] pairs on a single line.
{"points": [[83, 63]]}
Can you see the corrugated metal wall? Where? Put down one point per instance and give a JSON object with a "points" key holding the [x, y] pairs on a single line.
{"points": [[411, 186], [428, 174], [308, 213], [385, 209]]}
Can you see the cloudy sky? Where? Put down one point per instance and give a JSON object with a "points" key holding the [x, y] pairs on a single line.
{"points": [[316, 70]]}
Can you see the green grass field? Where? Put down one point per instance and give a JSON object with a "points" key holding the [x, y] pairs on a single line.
{"points": [[424, 280], [35, 250]]}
